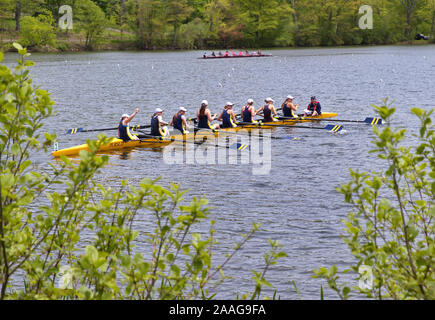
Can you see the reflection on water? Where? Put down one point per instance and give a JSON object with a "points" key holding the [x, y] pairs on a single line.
{"points": [[296, 202]]}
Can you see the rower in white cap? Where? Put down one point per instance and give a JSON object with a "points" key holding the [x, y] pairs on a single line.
{"points": [[204, 117], [179, 121], [248, 112], [268, 111], [158, 126], [288, 108], [124, 128], [227, 116]]}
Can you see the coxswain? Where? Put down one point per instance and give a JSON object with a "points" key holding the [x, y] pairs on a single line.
{"points": [[158, 126], [204, 117], [228, 117], [124, 128], [268, 110], [314, 108], [179, 121], [288, 108], [248, 112]]}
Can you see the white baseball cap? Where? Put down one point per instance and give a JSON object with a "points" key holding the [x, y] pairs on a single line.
{"points": [[229, 104], [269, 100], [290, 97], [250, 101], [125, 116], [158, 110], [183, 109], [204, 102]]}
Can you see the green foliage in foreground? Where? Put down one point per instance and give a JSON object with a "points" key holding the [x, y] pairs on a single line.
{"points": [[85, 242], [391, 232]]}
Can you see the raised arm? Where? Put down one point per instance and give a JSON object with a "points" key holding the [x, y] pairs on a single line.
{"points": [[126, 121]]}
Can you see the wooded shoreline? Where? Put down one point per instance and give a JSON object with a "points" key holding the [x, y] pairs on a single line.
{"points": [[86, 25]]}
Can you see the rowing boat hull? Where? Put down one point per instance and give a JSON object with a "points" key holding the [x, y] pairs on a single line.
{"points": [[118, 144], [233, 57], [115, 144]]}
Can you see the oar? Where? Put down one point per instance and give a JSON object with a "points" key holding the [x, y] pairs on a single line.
{"points": [[79, 130], [235, 146], [372, 121], [330, 128], [251, 135]]}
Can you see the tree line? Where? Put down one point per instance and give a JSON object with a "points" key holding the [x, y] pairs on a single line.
{"points": [[194, 24]]}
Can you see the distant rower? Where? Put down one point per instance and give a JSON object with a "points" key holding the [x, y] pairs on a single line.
{"points": [[179, 121], [228, 117], [288, 108], [124, 129], [248, 112], [158, 126], [314, 108], [204, 118], [268, 110]]}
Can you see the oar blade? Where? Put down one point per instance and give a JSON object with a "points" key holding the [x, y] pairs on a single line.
{"points": [[239, 146], [373, 121], [74, 130], [332, 128]]}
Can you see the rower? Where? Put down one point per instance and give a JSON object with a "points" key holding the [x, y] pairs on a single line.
{"points": [[228, 117], [314, 108], [248, 112], [269, 111], [158, 126], [204, 118], [288, 108], [179, 121], [124, 129]]}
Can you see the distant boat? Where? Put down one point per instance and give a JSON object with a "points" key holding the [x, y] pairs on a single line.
{"points": [[236, 56]]}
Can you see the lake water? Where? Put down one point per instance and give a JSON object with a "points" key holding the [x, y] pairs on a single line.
{"points": [[296, 202]]}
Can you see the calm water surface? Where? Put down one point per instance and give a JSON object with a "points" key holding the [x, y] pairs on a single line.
{"points": [[296, 203]]}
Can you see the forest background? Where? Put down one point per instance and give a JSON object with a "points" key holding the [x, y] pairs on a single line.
{"points": [[211, 24]]}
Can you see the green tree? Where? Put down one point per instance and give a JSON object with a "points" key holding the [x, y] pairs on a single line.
{"points": [[91, 21], [177, 11], [145, 19], [392, 227], [261, 19], [38, 31]]}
